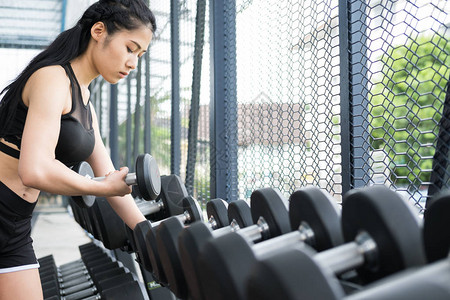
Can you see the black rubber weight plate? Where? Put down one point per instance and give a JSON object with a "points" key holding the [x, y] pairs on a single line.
{"points": [[271, 205], [290, 275], [140, 233], [172, 194], [192, 207], [224, 264], [191, 240], [84, 169], [157, 269], [386, 217], [320, 211], [217, 209], [148, 177], [167, 244], [239, 211], [436, 229]]}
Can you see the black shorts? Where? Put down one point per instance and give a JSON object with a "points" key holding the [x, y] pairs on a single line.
{"points": [[16, 245]]}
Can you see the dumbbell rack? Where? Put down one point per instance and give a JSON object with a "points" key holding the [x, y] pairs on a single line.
{"points": [[96, 275], [107, 230]]}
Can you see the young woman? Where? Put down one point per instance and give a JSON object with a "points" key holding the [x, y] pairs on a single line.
{"points": [[47, 125]]}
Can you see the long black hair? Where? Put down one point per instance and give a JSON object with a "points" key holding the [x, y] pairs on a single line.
{"points": [[115, 14]]}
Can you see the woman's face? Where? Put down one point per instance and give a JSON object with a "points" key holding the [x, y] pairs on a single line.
{"points": [[116, 55]]}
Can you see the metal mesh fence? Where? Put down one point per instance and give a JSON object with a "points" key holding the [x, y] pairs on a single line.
{"points": [[160, 86], [288, 95], [404, 68], [191, 85], [194, 92], [292, 109]]}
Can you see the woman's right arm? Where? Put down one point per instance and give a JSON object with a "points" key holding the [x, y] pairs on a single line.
{"points": [[47, 94]]}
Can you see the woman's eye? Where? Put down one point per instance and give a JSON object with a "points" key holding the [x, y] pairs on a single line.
{"points": [[129, 50]]}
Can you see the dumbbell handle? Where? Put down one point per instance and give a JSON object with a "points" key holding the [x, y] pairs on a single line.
{"points": [[81, 294], [351, 255], [304, 234], [130, 178], [151, 208], [184, 217], [77, 288], [254, 233], [71, 265]]}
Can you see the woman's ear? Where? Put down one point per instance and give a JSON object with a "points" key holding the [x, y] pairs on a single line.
{"points": [[98, 31]]}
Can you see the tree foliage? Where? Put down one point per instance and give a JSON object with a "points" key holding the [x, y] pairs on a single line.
{"points": [[406, 106]]}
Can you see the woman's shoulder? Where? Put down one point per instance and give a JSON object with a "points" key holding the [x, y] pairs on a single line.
{"points": [[47, 81], [55, 72], [50, 76]]}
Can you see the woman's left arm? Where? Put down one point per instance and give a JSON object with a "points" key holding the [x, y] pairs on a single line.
{"points": [[101, 164]]}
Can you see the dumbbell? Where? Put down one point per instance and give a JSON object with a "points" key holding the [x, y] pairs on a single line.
{"points": [[315, 219], [111, 230], [382, 237], [146, 178], [128, 290], [145, 232], [102, 277], [426, 282], [145, 247], [92, 256], [168, 269], [75, 269], [171, 201], [436, 227], [266, 204], [79, 275], [124, 286], [80, 278], [72, 278], [238, 213]]}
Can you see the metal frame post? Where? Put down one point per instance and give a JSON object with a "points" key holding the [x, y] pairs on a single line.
{"points": [[113, 126], [195, 98], [223, 108], [353, 87], [147, 108], [175, 158]]}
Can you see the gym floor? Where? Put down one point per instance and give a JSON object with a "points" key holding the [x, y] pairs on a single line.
{"points": [[55, 232]]}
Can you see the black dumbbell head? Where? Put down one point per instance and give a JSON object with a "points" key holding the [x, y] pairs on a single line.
{"points": [[217, 208], [292, 274], [167, 244], [386, 217], [240, 212], [436, 229], [84, 169], [148, 177], [319, 210], [140, 233], [272, 206], [156, 265], [224, 264], [172, 194], [190, 241], [193, 208], [110, 226]]}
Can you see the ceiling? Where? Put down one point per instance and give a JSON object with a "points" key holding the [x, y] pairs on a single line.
{"points": [[30, 24]]}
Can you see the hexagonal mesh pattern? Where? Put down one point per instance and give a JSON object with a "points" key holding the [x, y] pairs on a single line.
{"points": [[288, 95], [292, 108], [407, 68]]}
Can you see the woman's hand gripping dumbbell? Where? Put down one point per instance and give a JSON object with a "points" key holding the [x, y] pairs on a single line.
{"points": [[146, 178]]}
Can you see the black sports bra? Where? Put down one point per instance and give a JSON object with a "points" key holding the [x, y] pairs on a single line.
{"points": [[76, 137]]}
